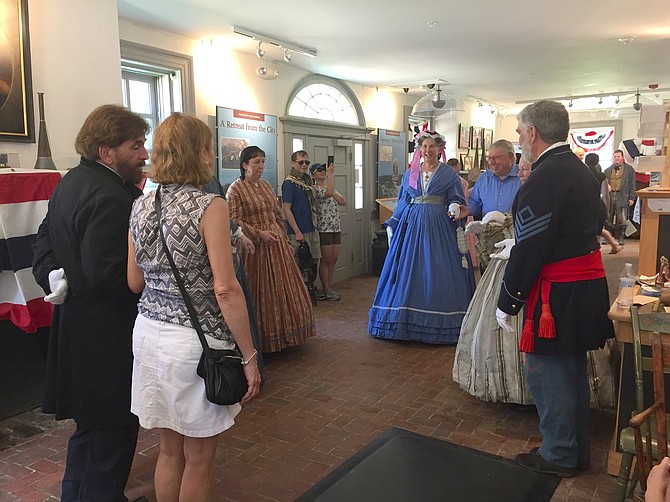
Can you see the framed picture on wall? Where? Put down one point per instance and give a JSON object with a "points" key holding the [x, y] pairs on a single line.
{"points": [[488, 137], [463, 136], [475, 137], [466, 162], [16, 93]]}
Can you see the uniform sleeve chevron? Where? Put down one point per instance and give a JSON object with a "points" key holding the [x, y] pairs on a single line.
{"points": [[530, 226]]}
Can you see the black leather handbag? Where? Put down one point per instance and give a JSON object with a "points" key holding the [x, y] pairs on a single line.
{"points": [[221, 369]]}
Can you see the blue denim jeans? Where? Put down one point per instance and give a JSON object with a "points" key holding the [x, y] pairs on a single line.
{"points": [[560, 388]]}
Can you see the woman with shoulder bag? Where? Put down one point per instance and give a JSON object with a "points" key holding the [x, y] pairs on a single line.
{"points": [[167, 393]]}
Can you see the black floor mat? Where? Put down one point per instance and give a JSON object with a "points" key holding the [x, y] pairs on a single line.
{"points": [[403, 466]]}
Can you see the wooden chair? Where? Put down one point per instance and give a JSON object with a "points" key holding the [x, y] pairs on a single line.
{"points": [[646, 438], [652, 422]]}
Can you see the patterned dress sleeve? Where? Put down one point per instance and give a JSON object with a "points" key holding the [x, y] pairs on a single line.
{"points": [[237, 212]]}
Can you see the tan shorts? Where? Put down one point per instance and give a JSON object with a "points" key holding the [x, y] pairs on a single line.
{"points": [[312, 239]]}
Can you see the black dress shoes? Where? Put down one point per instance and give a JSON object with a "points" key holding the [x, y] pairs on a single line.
{"points": [[582, 465], [534, 462]]}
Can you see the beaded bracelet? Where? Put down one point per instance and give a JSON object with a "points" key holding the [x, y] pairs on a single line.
{"points": [[244, 363]]}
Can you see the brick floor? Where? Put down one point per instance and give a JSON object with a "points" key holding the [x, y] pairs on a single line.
{"points": [[322, 402]]}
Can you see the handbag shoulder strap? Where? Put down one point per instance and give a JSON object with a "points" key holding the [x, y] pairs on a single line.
{"points": [[177, 276]]}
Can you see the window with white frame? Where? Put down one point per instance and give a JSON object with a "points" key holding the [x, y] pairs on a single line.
{"points": [[323, 102], [156, 83]]}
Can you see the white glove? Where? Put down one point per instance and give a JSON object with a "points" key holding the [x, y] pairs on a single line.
{"points": [[506, 246], [475, 227], [238, 233], [58, 286], [454, 210], [504, 321], [389, 233], [496, 216]]}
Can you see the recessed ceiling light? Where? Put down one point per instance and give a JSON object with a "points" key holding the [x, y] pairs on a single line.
{"points": [[626, 40]]}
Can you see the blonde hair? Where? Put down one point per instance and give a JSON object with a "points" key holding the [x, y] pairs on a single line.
{"points": [[176, 156]]}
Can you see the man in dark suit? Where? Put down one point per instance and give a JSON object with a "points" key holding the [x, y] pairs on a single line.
{"points": [[80, 257], [555, 270]]}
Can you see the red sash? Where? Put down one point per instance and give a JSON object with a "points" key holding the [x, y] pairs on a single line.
{"points": [[581, 268]]}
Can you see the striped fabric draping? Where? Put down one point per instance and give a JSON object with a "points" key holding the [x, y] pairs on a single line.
{"points": [[24, 198]]}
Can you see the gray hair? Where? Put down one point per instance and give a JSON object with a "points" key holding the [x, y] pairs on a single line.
{"points": [[550, 119], [503, 144]]}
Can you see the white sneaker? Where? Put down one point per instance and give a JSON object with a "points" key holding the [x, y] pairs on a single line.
{"points": [[333, 295]]}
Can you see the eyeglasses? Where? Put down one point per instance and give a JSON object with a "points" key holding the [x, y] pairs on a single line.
{"points": [[495, 157], [302, 162]]}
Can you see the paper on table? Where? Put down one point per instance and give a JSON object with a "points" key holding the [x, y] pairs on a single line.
{"points": [[644, 299]]}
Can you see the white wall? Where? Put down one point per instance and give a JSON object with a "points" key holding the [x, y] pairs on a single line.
{"points": [[506, 126], [224, 77], [75, 63]]}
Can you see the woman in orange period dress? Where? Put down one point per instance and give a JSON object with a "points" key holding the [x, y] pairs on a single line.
{"points": [[281, 299]]}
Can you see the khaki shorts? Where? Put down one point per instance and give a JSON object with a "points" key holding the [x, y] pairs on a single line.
{"points": [[312, 239]]}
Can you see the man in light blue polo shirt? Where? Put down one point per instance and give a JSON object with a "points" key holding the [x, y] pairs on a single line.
{"points": [[496, 188]]}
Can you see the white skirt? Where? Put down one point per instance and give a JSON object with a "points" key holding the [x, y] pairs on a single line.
{"points": [[166, 391]]}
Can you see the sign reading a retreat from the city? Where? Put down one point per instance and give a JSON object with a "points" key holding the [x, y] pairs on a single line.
{"points": [[238, 129], [391, 161]]}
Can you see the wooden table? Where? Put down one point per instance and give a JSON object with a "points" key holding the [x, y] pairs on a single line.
{"points": [[626, 395]]}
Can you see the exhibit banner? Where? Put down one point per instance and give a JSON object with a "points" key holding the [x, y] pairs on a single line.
{"points": [[238, 129], [391, 161]]}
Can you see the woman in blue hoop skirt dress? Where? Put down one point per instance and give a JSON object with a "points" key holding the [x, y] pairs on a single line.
{"points": [[426, 283]]}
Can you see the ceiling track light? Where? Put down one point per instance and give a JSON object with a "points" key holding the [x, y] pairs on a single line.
{"points": [[287, 56], [259, 50], [570, 104], [266, 73], [653, 89], [275, 41]]}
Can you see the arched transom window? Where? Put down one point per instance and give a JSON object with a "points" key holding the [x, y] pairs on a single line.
{"points": [[323, 102]]}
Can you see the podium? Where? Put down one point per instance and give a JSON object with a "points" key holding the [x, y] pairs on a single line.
{"points": [[654, 228]]}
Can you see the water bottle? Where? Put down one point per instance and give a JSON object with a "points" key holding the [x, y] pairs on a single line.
{"points": [[626, 287]]}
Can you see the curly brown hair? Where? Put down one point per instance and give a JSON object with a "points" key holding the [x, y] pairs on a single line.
{"points": [[108, 125]]}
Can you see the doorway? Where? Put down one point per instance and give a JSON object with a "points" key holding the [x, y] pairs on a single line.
{"points": [[351, 261], [324, 117]]}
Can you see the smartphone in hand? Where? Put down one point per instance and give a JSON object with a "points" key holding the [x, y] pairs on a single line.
{"points": [[331, 160]]}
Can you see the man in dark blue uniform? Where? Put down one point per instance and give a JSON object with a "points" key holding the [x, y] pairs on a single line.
{"points": [[555, 270]]}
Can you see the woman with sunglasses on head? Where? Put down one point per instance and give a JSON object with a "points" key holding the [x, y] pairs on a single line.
{"points": [[328, 226], [281, 299]]}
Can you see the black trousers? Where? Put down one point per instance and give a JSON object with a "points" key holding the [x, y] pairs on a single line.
{"points": [[98, 464]]}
